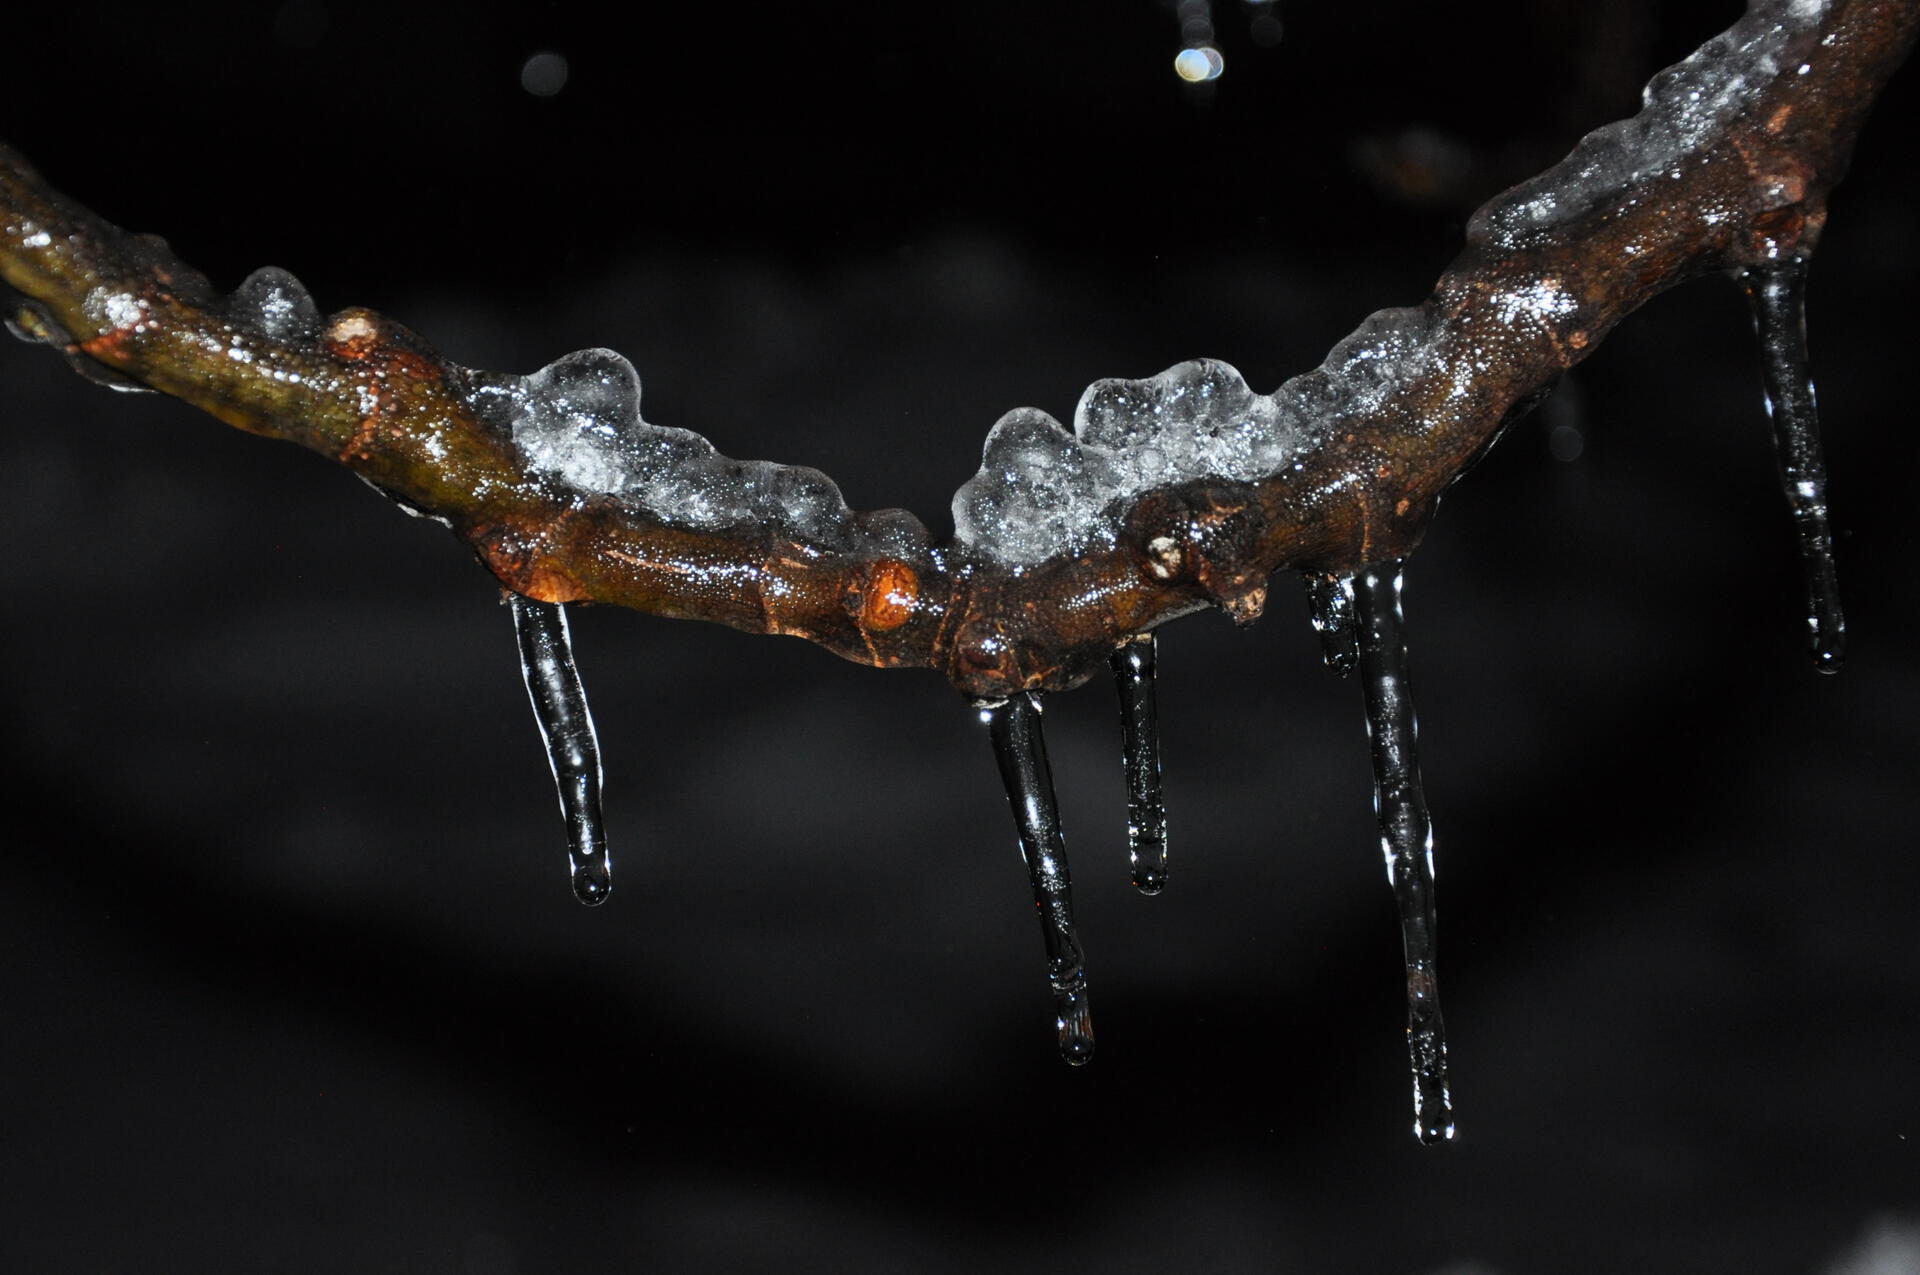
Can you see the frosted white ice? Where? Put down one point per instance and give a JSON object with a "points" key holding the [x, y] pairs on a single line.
{"points": [[578, 420], [118, 309], [1196, 419], [1038, 491], [1042, 491]]}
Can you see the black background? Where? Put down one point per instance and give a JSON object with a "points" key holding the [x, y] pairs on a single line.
{"points": [[292, 978]]}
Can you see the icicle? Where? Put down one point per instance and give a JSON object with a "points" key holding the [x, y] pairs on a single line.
{"points": [[1140, 751], [1014, 725], [560, 706], [1777, 292], [1330, 604], [1406, 835]]}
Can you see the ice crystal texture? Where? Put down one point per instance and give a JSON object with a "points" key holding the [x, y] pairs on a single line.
{"points": [[1041, 490], [578, 421], [1682, 107]]}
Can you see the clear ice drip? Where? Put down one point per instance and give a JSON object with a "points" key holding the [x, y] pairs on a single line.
{"points": [[1018, 746], [566, 727], [1140, 752], [1330, 605], [1778, 294], [276, 304], [1683, 109], [1406, 834], [578, 420]]}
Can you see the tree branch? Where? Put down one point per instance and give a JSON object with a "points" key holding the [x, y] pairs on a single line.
{"points": [[1176, 493]]}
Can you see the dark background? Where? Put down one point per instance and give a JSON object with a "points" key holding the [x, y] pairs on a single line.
{"points": [[292, 978]]}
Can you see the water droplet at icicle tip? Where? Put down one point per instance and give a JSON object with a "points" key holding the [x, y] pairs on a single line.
{"points": [[1020, 751], [1073, 1027], [559, 701], [1427, 1051], [1133, 676]]}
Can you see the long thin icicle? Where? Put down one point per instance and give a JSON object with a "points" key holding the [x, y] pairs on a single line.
{"points": [[1406, 834], [1777, 292], [1014, 725], [1140, 752], [566, 727]]}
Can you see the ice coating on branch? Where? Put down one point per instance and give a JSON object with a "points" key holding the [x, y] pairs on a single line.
{"points": [[1041, 490], [1038, 491], [1683, 108], [1199, 419], [1192, 420], [572, 416], [578, 420], [1362, 372]]}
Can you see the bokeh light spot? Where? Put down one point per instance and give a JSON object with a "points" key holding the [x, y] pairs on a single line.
{"points": [[544, 74], [1197, 66]]}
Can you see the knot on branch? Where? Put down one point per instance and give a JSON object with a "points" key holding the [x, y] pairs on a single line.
{"points": [[1205, 537]]}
